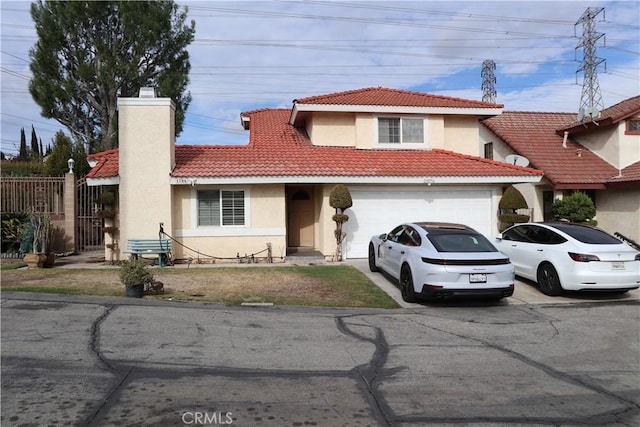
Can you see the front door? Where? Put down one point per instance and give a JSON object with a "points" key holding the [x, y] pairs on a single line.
{"points": [[301, 219]]}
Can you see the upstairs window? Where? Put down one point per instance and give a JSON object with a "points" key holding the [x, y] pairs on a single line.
{"points": [[633, 126], [220, 208], [488, 150], [400, 130]]}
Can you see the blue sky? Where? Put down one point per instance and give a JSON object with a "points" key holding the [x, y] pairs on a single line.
{"points": [[259, 54]]}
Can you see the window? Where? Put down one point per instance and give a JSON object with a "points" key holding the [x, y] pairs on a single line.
{"points": [[488, 150], [460, 242], [396, 130], [216, 208], [633, 126]]}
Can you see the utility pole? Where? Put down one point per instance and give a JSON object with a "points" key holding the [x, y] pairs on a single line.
{"points": [[591, 99], [488, 81]]}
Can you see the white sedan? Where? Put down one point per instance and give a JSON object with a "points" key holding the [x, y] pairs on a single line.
{"points": [[441, 260], [564, 256]]}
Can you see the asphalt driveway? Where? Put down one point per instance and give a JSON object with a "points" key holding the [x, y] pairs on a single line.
{"points": [[526, 291]]}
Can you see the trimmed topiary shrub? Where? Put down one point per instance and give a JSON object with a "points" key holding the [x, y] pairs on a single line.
{"points": [[510, 202], [340, 199], [512, 199]]}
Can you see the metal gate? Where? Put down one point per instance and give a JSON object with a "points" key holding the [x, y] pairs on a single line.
{"points": [[89, 226]]}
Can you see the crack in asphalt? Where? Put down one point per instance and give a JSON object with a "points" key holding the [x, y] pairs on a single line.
{"points": [[371, 371], [630, 406], [94, 344]]}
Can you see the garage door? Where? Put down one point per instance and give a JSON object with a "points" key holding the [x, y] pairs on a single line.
{"points": [[377, 210]]}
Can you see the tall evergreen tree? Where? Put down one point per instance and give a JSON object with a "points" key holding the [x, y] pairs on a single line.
{"points": [[36, 155], [23, 154], [63, 149], [90, 53]]}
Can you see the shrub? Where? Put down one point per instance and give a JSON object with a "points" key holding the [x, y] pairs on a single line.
{"points": [[578, 207], [513, 218], [510, 202], [108, 198], [512, 199], [340, 197], [135, 271]]}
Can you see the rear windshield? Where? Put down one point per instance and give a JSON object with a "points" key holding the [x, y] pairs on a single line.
{"points": [[460, 242], [587, 234]]}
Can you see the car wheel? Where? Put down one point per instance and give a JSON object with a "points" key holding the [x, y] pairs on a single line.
{"points": [[548, 280], [406, 285], [372, 258]]}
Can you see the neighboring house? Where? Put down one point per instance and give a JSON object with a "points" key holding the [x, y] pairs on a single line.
{"points": [[405, 156], [599, 157]]}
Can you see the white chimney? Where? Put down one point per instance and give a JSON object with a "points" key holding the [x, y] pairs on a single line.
{"points": [[147, 92]]}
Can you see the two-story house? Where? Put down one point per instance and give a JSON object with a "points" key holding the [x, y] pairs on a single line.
{"points": [[599, 156], [405, 156]]}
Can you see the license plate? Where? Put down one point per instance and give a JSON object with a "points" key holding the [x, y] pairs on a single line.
{"points": [[478, 278], [617, 265]]}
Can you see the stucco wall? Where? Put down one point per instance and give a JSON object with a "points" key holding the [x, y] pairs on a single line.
{"points": [[462, 135], [265, 223], [146, 141], [332, 129], [619, 211], [325, 237], [629, 147]]}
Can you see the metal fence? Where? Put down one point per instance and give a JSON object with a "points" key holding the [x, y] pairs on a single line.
{"points": [[21, 194], [89, 226], [46, 194]]}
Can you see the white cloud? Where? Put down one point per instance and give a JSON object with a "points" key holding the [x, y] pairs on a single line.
{"points": [[257, 54]]}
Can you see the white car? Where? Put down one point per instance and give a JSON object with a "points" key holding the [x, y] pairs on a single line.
{"points": [[441, 260], [565, 256]]}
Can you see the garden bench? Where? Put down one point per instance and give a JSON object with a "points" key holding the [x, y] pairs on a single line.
{"points": [[141, 247]]}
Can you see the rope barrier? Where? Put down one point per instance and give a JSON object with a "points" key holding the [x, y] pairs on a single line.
{"points": [[199, 254]]}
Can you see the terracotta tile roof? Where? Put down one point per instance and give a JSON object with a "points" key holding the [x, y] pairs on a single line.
{"points": [[608, 116], [277, 149], [107, 166], [393, 97], [629, 174], [534, 136]]}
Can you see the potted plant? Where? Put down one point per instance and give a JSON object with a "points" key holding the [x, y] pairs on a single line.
{"points": [[134, 273], [35, 239]]}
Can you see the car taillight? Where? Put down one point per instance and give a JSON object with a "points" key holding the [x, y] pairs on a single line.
{"points": [[583, 257], [435, 261], [441, 261]]}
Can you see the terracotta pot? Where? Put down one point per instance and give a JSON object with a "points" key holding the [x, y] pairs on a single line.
{"points": [[50, 259], [35, 260]]}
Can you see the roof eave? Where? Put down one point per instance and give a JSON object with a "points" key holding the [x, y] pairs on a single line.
{"points": [[112, 180], [336, 179]]}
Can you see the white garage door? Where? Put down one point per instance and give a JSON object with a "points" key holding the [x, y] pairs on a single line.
{"points": [[377, 210]]}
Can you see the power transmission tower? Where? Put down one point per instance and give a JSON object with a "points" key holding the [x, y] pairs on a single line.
{"points": [[488, 80], [591, 99]]}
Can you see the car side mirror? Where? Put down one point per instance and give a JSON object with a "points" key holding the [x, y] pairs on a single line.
{"points": [[383, 236], [499, 237]]}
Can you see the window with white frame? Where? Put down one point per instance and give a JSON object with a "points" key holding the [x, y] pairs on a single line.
{"points": [[400, 130], [221, 208]]}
